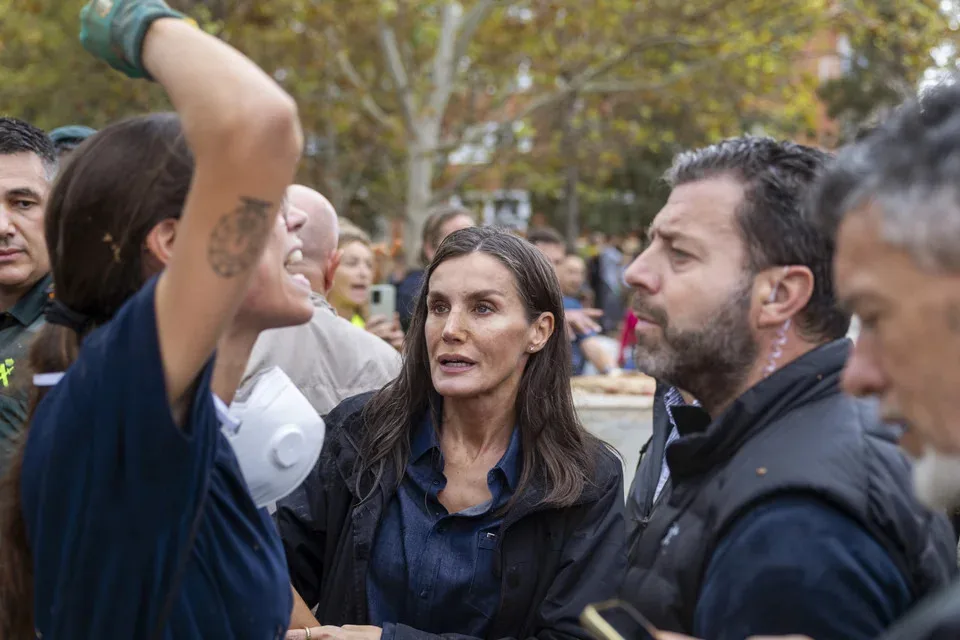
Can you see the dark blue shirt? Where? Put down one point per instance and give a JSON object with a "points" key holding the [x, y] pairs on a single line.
{"points": [[798, 565], [579, 361], [432, 570], [113, 490]]}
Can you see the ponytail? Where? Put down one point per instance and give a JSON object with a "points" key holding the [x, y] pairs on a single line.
{"points": [[53, 350]]}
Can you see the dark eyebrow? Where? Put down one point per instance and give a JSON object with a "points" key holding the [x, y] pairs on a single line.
{"points": [[672, 237], [23, 192], [487, 293], [476, 295]]}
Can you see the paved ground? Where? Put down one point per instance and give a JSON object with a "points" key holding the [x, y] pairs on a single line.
{"points": [[626, 431]]}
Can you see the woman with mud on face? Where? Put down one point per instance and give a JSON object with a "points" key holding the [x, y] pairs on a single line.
{"points": [[465, 497], [126, 515]]}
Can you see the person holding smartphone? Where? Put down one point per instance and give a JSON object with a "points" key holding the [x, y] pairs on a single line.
{"points": [[126, 512], [350, 293]]}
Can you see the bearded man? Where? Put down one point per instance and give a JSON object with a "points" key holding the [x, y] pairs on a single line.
{"points": [[788, 507]]}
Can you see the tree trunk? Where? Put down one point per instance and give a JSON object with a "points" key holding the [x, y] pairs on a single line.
{"points": [[571, 143], [419, 190]]}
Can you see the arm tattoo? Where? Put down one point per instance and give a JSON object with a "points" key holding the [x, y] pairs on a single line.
{"points": [[239, 237]]}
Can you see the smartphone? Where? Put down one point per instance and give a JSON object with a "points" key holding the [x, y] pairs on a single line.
{"points": [[616, 620], [383, 300]]}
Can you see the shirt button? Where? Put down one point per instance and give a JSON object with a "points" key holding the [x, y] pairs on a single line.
{"points": [[442, 528], [423, 594]]}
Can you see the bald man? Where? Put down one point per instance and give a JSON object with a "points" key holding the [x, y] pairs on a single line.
{"points": [[328, 358], [319, 235]]}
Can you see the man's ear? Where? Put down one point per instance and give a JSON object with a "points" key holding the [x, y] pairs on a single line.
{"points": [[159, 244], [786, 292], [332, 265]]}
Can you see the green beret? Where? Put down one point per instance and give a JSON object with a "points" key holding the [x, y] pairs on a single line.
{"points": [[73, 133]]}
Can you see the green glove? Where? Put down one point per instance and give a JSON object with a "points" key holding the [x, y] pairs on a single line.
{"points": [[113, 30]]}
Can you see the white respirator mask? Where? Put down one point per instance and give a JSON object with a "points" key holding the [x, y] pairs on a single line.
{"points": [[275, 433]]}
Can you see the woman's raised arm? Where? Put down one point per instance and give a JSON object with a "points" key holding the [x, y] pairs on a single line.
{"points": [[245, 135]]}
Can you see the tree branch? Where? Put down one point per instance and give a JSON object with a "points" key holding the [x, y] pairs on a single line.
{"points": [[353, 76], [576, 83], [444, 63], [388, 43], [582, 83], [463, 177], [629, 86], [468, 28]]}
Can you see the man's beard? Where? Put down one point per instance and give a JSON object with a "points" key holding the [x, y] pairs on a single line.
{"points": [[711, 362], [936, 480]]}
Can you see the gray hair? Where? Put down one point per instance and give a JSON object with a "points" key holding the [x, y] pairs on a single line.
{"points": [[909, 169]]}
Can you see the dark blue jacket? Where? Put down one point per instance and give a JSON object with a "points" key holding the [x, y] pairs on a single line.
{"points": [[551, 562], [793, 434]]}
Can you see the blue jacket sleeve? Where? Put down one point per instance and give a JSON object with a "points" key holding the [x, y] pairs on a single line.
{"points": [[798, 565]]}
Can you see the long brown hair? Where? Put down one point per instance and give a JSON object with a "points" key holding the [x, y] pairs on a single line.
{"points": [[117, 187], [557, 451]]}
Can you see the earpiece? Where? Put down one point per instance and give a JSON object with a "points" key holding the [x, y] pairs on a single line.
{"points": [[776, 287], [777, 348]]}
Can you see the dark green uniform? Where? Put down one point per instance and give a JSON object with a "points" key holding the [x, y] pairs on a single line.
{"points": [[17, 328]]}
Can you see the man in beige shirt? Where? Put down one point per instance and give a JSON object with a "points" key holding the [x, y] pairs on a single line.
{"points": [[328, 358]]}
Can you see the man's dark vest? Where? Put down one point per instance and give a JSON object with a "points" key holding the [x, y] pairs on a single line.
{"points": [[794, 432]]}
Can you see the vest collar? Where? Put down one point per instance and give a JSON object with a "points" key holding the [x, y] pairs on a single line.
{"points": [[705, 443]]}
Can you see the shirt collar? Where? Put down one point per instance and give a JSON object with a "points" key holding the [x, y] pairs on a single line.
{"points": [[673, 398], [510, 464], [30, 306], [685, 418], [320, 302], [425, 441], [424, 438]]}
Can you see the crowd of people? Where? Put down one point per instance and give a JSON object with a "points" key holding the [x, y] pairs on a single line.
{"points": [[206, 432]]}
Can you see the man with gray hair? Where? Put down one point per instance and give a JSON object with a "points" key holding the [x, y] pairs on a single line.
{"points": [[892, 203], [28, 164], [328, 358]]}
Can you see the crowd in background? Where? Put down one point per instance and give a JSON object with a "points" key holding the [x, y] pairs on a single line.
{"points": [[208, 431]]}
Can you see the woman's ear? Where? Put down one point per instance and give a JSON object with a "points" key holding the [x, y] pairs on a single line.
{"points": [[159, 245], [541, 330]]}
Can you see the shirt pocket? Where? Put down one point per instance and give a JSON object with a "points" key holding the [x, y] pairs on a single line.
{"points": [[485, 585]]}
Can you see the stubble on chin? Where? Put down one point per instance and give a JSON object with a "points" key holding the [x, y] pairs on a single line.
{"points": [[711, 362]]}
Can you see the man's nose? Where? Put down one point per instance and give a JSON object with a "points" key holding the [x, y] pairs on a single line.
{"points": [[6, 220], [863, 375], [640, 274]]}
